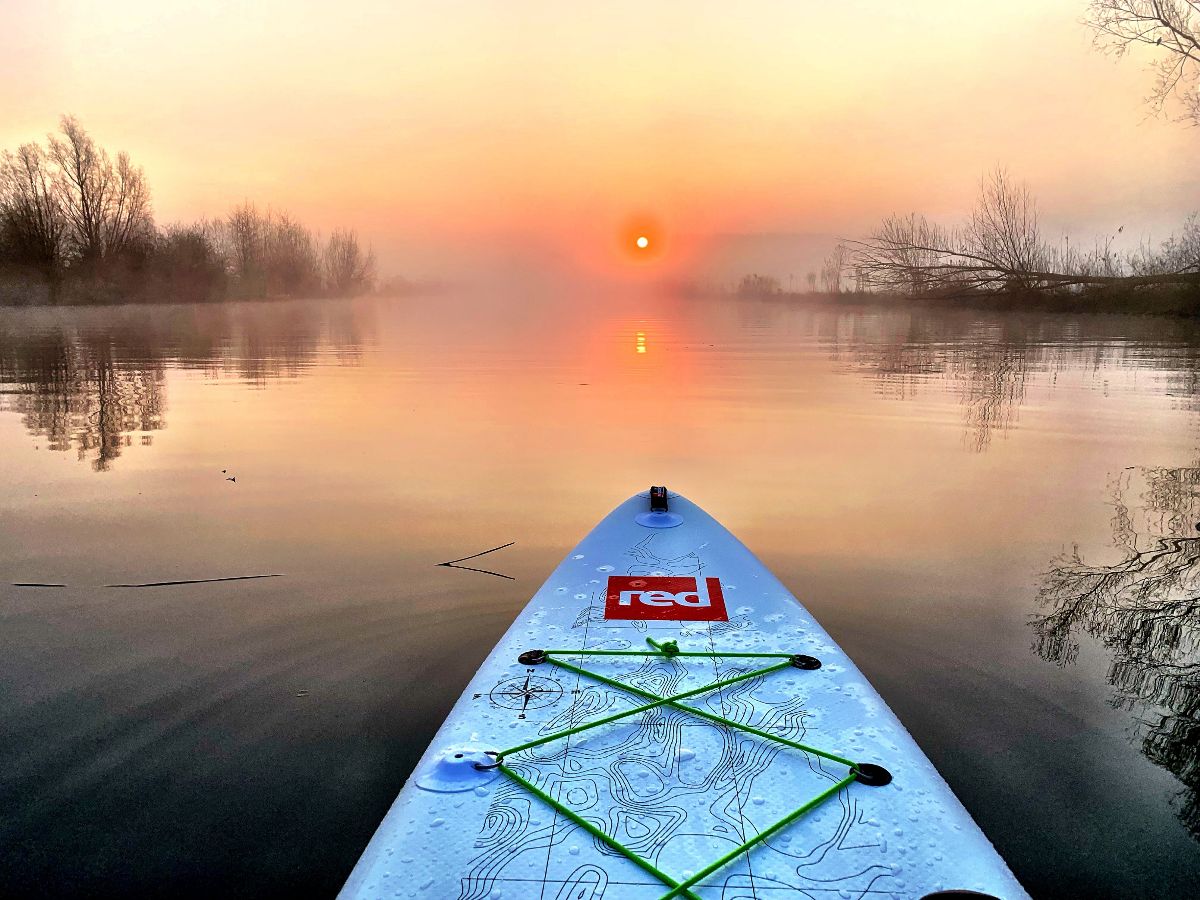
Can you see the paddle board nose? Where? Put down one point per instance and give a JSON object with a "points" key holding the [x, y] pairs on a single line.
{"points": [[659, 514], [662, 720]]}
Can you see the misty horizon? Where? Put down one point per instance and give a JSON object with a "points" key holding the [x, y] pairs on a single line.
{"points": [[443, 140]]}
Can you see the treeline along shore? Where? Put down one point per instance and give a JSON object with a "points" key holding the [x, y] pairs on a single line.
{"points": [[1001, 258], [77, 226]]}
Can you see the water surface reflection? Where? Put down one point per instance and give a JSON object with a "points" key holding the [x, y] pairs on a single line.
{"points": [[70, 391], [92, 380], [987, 359], [906, 473], [1145, 610]]}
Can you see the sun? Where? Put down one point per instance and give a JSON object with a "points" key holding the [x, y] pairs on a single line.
{"points": [[641, 240]]}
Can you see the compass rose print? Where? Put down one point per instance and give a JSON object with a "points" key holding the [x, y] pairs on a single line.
{"points": [[525, 693]]}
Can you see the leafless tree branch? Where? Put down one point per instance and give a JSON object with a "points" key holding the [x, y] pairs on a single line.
{"points": [[1171, 28], [1001, 248]]}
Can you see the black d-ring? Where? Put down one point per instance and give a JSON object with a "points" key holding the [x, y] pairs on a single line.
{"points": [[532, 657], [800, 661], [485, 768], [871, 774]]}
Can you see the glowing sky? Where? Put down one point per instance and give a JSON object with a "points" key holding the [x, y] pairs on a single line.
{"points": [[428, 125]]}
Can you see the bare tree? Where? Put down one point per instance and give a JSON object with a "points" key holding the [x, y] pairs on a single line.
{"points": [[82, 181], [1179, 253], [348, 270], [292, 263], [32, 223], [1171, 28], [246, 232], [189, 262], [909, 255], [107, 206], [1001, 248], [127, 221], [759, 286], [1004, 229], [832, 269]]}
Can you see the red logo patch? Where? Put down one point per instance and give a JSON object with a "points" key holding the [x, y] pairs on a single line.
{"points": [[674, 598]]}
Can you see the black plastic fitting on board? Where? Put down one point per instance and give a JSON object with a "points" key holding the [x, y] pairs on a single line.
{"points": [[801, 661], [871, 774]]}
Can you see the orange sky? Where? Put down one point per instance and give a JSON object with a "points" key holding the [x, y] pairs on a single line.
{"points": [[434, 126]]}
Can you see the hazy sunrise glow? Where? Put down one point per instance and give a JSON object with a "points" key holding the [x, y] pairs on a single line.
{"points": [[549, 127]]}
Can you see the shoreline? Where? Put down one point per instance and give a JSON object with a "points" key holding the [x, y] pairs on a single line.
{"points": [[1176, 304]]}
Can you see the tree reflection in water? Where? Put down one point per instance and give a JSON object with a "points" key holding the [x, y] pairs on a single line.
{"points": [[75, 394], [988, 359], [90, 381], [1145, 610]]}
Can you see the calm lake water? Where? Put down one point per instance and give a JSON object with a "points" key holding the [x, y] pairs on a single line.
{"points": [[995, 515]]}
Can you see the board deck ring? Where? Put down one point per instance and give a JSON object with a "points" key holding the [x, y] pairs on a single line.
{"points": [[532, 658], [871, 774], [802, 661], [497, 764]]}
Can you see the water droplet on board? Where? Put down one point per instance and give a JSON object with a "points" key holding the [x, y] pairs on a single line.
{"points": [[577, 556], [437, 823], [574, 851]]}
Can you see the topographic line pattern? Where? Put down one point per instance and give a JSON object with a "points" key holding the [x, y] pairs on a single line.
{"points": [[672, 787]]}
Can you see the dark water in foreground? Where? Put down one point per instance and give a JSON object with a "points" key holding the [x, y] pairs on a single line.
{"points": [[995, 516]]}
